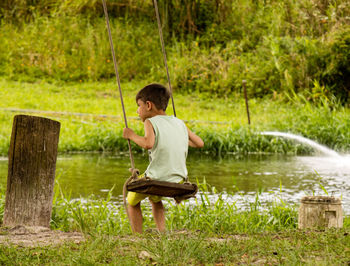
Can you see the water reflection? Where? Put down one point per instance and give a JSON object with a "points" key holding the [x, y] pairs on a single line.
{"points": [[86, 174]]}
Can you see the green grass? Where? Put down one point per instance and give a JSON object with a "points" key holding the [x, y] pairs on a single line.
{"points": [[223, 214], [98, 216], [203, 233], [287, 248], [226, 213], [328, 123]]}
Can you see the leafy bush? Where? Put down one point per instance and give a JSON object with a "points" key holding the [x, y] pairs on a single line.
{"points": [[286, 48], [336, 76], [75, 49]]}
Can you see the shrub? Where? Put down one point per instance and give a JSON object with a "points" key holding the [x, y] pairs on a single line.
{"points": [[336, 75]]}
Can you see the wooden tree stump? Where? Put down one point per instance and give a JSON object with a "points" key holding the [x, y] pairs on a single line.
{"points": [[31, 171], [320, 212]]}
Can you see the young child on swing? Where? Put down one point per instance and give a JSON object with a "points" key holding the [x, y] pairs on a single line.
{"points": [[167, 139]]}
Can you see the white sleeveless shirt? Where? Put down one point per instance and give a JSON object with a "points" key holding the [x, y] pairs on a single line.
{"points": [[169, 152]]}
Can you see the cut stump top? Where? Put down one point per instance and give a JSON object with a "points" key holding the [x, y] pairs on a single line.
{"points": [[321, 200]]}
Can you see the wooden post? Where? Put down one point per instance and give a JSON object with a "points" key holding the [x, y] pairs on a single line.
{"points": [[320, 212], [31, 171], [244, 82]]}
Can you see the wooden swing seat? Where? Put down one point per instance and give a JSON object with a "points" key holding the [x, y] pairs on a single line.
{"points": [[161, 188]]}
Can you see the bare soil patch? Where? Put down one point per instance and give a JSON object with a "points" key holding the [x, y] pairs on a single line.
{"points": [[37, 236], [32, 236]]}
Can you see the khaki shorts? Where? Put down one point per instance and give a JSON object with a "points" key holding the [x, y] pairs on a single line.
{"points": [[135, 198]]}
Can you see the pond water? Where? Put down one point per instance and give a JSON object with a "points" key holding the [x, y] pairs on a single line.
{"points": [[238, 177]]}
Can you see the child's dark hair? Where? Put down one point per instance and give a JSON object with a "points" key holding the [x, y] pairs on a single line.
{"points": [[155, 93]]}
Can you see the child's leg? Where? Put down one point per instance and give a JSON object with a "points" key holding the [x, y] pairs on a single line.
{"points": [[158, 215], [135, 218], [134, 209]]}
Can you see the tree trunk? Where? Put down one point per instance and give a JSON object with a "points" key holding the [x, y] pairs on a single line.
{"points": [[31, 171]]}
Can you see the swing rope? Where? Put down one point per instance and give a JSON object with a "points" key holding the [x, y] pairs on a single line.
{"points": [[118, 79], [164, 53], [135, 171], [117, 72], [165, 59]]}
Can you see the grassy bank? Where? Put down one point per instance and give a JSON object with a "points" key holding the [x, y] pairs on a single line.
{"points": [[327, 123], [201, 233]]}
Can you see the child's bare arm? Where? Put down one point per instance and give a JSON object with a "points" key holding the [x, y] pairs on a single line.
{"points": [[147, 141], [194, 140]]}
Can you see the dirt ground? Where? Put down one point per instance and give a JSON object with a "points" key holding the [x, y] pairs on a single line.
{"points": [[34, 236], [27, 236]]}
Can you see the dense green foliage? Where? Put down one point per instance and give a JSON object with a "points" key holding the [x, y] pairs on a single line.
{"points": [[290, 47]]}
